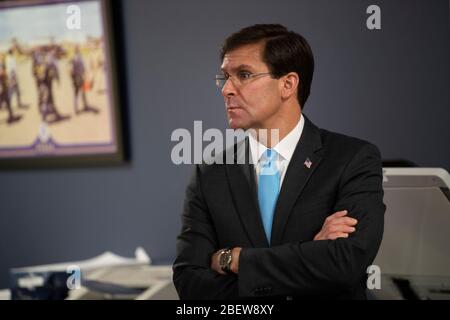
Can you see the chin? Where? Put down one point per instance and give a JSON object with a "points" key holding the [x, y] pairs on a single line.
{"points": [[236, 124]]}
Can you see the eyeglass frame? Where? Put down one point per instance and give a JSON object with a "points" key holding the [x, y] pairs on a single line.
{"points": [[224, 78]]}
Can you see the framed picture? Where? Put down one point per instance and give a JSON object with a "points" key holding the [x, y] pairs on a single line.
{"points": [[59, 96]]}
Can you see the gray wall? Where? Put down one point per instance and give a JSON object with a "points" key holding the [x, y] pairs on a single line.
{"points": [[390, 87]]}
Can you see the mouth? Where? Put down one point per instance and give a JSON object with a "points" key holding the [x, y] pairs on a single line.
{"points": [[234, 111], [232, 106]]}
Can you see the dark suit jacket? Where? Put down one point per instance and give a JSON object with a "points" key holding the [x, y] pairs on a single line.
{"points": [[221, 210]]}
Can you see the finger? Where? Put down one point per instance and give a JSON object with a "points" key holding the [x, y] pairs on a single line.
{"points": [[334, 236], [336, 215], [341, 228], [345, 220], [346, 229], [339, 214]]}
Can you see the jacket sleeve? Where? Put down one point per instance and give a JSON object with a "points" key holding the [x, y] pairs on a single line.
{"points": [[193, 277], [325, 266]]}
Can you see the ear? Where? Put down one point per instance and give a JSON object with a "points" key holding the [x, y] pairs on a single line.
{"points": [[289, 85]]}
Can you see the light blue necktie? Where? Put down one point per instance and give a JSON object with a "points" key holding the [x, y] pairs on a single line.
{"points": [[268, 189]]}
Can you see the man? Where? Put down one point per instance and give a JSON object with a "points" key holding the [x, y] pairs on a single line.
{"points": [[4, 94], [38, 68], [14, 89], [305, 220], [78, 82], [49, 112]]}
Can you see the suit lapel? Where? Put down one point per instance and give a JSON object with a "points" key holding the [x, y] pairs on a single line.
{"points": [[296, 177], [243, 189]]}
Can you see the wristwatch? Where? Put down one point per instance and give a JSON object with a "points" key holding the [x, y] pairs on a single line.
{"points": [[225, 260]]}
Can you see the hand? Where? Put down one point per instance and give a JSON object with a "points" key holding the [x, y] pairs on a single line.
{"points": [[336, 226], [235, 253], [215, 265]]}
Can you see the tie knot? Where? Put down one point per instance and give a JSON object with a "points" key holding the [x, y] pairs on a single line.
{"points": [[269, 155], [269, 161]]}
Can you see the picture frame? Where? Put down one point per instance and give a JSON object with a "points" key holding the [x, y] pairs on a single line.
{"points": [[61, 103]]}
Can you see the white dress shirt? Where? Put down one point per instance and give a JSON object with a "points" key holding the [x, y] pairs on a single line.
{"points": [[285, 149]]}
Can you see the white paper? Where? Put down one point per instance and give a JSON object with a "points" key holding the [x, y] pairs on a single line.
{"points": [[106, 259]]}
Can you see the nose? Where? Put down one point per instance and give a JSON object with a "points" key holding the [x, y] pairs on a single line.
{"points": [[229, 89]]}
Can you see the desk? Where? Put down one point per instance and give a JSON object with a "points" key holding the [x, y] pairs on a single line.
{"points": [[150, 283]]}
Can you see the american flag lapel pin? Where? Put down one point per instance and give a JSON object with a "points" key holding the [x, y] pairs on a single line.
{"points": [[308, 163]]}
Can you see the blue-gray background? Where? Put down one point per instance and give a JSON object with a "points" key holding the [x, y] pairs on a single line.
{"points": [[389, 86]]}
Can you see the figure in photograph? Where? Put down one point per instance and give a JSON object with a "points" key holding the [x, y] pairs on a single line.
{"points": [[4, 94], [11, 69], [80, 84], [48, 108]]}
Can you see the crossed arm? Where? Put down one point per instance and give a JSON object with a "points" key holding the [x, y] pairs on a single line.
{"points": [[333, 261], [335, 226]]}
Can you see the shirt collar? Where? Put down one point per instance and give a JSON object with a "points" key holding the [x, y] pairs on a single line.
{"points": [[285, 147]]}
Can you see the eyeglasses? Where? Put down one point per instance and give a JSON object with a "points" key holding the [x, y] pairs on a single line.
{"points": [[240, 79]]}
